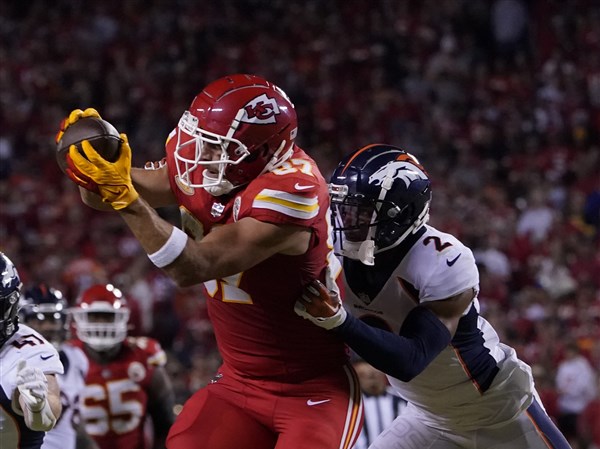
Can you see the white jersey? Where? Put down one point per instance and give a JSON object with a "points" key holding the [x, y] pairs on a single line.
{"points": [[72, 383], [29, 345], [476, 381]]}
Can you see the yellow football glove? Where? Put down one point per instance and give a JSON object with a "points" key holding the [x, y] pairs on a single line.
{"points": [[75, 115], [110, 180]]}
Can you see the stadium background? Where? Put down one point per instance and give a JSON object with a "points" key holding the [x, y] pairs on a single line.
{"points": [[500, 100]]}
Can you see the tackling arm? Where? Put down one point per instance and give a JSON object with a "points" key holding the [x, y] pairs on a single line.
{"points": [[426, 331], [402, 356]]}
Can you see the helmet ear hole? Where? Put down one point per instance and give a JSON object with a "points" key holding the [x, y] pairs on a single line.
{"points": [[256, 154], [393, 212]]}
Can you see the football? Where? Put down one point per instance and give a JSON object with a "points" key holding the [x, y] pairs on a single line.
{"points": [[101, 134]]}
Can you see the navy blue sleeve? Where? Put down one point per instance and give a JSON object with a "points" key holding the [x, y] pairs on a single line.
{"points": [[404, 356]]}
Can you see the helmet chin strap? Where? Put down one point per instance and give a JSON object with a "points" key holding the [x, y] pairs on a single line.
{"points": [[363, 251], [216, 189]]}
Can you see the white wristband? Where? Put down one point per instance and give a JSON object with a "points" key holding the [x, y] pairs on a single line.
{"points": [[328, 323], [171, 250]]}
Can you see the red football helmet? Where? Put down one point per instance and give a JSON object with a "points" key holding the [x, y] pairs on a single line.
{"points": [[101, 317], [251, 120]]}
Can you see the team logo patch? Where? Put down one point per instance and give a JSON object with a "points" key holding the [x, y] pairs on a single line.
{"points": [[136, 371], [261, 110], [183, 186], [365, 298], [406, 171], [217, 209]]}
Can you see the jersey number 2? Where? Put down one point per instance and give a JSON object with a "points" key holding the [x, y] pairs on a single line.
{"points": [[439, 246]]}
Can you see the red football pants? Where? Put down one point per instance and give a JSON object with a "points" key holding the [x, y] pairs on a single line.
{"points": [[238, 413]]}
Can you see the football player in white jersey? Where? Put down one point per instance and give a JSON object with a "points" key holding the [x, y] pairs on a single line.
{"points": [[29, 393], [44, 309], [411, 310]]}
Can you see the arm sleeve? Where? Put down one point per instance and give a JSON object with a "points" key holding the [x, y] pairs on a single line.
{"points": [[404, 356]]}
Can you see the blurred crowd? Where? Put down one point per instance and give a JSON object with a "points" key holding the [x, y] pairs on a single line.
{"points": [[500, 100]]}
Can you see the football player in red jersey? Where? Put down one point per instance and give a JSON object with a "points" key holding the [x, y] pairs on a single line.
{"points": [[255, 231], [126, 380]]}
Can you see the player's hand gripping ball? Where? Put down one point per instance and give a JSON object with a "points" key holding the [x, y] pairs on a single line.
{"points": [[87, 125]]}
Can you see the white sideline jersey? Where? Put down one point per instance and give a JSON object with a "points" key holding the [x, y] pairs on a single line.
{"points": [[26, 344], [72, 383], [476, 381]]}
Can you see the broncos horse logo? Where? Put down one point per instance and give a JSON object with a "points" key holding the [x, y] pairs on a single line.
{"points": [[404, 170]]}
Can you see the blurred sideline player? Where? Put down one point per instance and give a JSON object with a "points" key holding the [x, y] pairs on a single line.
{"points": [[44, 309], [255, 225], [29, 392], [412, 293], [126, 381]]}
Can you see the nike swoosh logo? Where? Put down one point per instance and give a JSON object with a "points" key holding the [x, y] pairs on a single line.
{"points": [[46, 357], [301, 187], [453, 261], [310, 402]]}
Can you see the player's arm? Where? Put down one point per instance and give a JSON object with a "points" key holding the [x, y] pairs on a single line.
{"points": [[151, 183], [225, 251], [161, 400], [37, 397], [426, 331]]}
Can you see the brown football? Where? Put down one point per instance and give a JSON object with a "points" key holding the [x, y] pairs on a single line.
{"points": [[102, 135]]}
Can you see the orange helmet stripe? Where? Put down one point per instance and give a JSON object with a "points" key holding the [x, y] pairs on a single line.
{"points": [[359, 152]]}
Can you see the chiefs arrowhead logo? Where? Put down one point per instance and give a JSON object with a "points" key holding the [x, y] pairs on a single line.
{"points": [[261, 110]]}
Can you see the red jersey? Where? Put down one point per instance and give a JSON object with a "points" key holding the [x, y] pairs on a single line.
{"points": [[257, 332], [114, 401]]}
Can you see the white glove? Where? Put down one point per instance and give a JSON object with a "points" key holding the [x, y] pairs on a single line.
{"points": [[33, 389], [321, 306], [32, 385]]}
